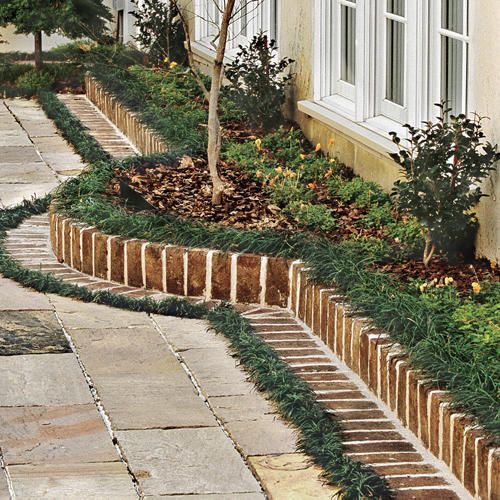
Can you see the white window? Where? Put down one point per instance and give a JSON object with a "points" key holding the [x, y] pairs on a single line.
{"points": [[249, 18], [375, 58], [450, 46]]}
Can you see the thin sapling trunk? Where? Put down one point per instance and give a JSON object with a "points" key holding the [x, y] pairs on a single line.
{"points": [[38, 50]]}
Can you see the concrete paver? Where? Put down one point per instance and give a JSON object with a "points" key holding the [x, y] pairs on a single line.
{"points": [[95, 481], [186, 461], [35, 380], [14, 297], [54, 434]]}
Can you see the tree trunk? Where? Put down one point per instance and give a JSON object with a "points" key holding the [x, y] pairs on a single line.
{"points": [[429, 249], [214, 130], [38, 50]]}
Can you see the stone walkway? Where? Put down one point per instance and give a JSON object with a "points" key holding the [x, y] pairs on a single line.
{"points": [[108, 404]]}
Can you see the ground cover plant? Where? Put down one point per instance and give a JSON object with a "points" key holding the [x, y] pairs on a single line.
{"points": [[420, 315]]}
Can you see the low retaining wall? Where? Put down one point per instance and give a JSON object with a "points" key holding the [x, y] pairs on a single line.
{"points": [[245, 278], [144, 139]]}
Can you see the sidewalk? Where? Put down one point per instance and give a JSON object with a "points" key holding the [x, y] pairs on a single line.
{"points": [[103, 403]]}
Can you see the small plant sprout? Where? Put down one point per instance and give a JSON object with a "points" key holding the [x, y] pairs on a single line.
{"points": [[443, 165]]}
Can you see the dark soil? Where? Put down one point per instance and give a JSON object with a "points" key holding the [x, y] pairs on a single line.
{"points": [[184, 188]]}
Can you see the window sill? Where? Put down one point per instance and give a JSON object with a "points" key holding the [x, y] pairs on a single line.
{"points": [[373, 132], [205, 52]]}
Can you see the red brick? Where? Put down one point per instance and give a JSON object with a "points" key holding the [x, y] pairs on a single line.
{"points": [[316, 311], [412, 482], [392, 382], [382, 458], [101, 255], [379, 447], [482, 459], [301, 306], [248, 279], [412, 398], [75, 248], [347, 339], [323, 331], [382, 356], [372, 436], [277, 282], [87, 251], [175, 270], [339, 330], [427, 494], [368, 425], [197, 272], [436, 400], [361, 415], [469, 480], [53, 230], [287, 353], [67, 242], [405, 469], [401, 389], [363, 356], [495, 475], [357, 325], [457, 445], [373, 360], [117, 259], [154, 266], [295, 283], [445, 438], [221, 276], [134, 263], [330, 330], [423, 417], [351, 405]]}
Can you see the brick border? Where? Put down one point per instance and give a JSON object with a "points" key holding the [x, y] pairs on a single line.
{"points": [[144, 139], [244, 278]]}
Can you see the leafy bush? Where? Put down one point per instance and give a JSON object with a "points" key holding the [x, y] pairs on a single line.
{"points": [[35, 80], [9, 73], [363, 193], [313, 216], [377, 216], [257, 84], [444, 166], [160, 31]]}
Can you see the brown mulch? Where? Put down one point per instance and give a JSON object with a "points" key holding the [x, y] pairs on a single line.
{"points": [[184, 188]]}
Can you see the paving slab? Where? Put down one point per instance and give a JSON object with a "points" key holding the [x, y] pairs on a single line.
{"points": [[31, 332], [186, 334], [19, 154], [54, 435], [99, 481], [42, 380], [148, 403], [241, 408], [14, 196], [186, 461], [128, 351], [268, 435], [26, 173], [291, 477], [14, 297], [78, 315]]}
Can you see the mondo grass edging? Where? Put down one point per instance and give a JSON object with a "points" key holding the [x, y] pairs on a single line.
{"points": [[320, 435], [48, 283], [424, 329]]}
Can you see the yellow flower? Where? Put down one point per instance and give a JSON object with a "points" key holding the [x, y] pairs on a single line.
{"points": [[448, 280], [328, 173], [493, 264], [331, 161], [302, 205], [312, 185], [258, 174], [172, 65], [272, 182], [165, 60], [476, 287], [258, 143], [318, 147], [331, 142], [422, 287], [279, 170], [302, 156], [301, 167], [292, 174]]}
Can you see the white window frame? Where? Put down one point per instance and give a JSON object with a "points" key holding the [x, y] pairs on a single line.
{"points": [[435, 50], [260, 18], [369, 108]]}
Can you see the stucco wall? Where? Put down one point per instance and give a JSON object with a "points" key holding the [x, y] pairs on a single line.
{"points": [[25, 43]]}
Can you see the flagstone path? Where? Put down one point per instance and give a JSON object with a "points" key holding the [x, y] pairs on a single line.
{"points": [[100, 403]]}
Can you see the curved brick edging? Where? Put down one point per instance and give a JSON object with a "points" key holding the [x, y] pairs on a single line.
{"points": [[144, 139], [245, 278]]}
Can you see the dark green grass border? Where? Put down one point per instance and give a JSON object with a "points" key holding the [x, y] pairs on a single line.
{"points": [[320, 435]]}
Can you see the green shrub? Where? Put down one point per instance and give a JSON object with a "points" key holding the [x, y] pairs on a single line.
{"points": [[35, 80], [443, 168], [377, 216], [9, 73], [363, 193], [313, 217], [257, 83]]}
